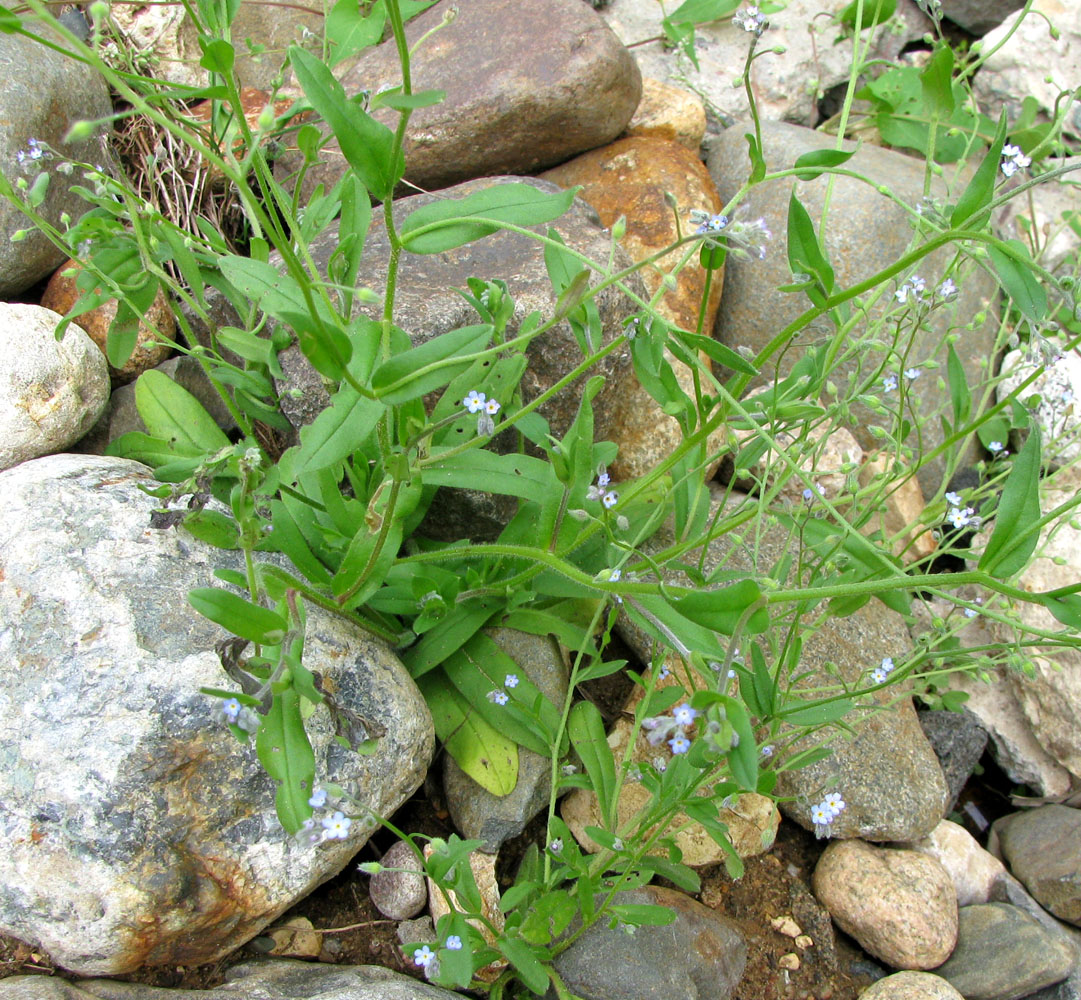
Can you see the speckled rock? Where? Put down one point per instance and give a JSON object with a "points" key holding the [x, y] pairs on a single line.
{"points": [[264, 980], [399, 894], [1043, 849], [43, 95], [152, 345], [1002, 954], [669, 112], [911, 985], [1050, 696], [1057, 386], [787, 84], [865, 232], [122, 850], [959, 741], [633, 178], [972, 870], [1010, 74], [476, 812], [527, 86], [51, 391], [169, 40], [899, 905], [887, 773], [700, 956]]}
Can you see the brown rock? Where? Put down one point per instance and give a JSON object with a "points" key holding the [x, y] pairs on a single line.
{"points": [[631, 178], [669, 112], [899, 905], [911, 986], [60, 295], [527, 86]]}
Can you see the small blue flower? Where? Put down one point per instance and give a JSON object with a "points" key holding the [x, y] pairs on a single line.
{"points": [[912, 374], [454, 943], [970, 612], [685, 715], [230, 708], [663, 672], [318, 798], [834, 803], [610, 499], [953, 499], [511, 681], [887, 663], [879, 676], [679, 744], [947, 289], [498, 697], [767, 750], [423, 956], [995, 447], [491, 407], [474, 402], [336, 827], [889, 383], [556, 846]]}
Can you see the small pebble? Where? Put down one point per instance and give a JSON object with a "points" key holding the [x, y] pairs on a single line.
{"points": [[399, 894]]}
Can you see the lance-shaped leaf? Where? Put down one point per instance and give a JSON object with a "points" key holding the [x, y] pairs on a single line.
{"points": [[238, 615], [1017, 529]]}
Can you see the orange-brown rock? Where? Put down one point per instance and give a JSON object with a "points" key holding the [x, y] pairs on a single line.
{"points": [[898, 517], [669, 112], [631, 178], [150, 348]]}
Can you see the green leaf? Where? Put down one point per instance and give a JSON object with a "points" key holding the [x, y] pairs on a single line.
{"points": [[960, 396], [400, 102], [1066, 609], [803, 714], [717, 352], [284, 750], [440, 641], [218, 56], [1017, 530], [874, 13], [644, 914], [702, 11], [348, 32], [981, 189], [430, 366], [238, 615], [586, 730], [679, 874], [805, 254], [174, 415], [525, 962], [214, 528], [511, 475], [1019, 281], [479, 749], [336, 433], [516, 203], [936, 81], [721, 609], [367, 145], [821, 158]]}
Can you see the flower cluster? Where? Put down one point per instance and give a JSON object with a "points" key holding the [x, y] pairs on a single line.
{"points": [[743, 238], [959, 515], [499, 696], [235, 714], [914, 290], [823, 814], [333, 826], [1013, 160], [889, 382], [751, 19], [477, 402], [34, 151], [600, 491], [660, 728], [882, 672]]}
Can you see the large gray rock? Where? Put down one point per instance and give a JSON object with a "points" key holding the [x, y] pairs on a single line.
{"points": [[700, 956], [1002, 954], [787, 84], [167, 38], [51, 391], [866, 231], [478, 813], [1011, 74], [887, 773], [273, 980], [43, 95], [527, 86], [1043, 849], [979, 16], [138, 831]]}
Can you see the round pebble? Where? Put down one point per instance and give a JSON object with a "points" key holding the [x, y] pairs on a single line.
{"points": [[900, 905], [911, 985], [399, 895]]}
